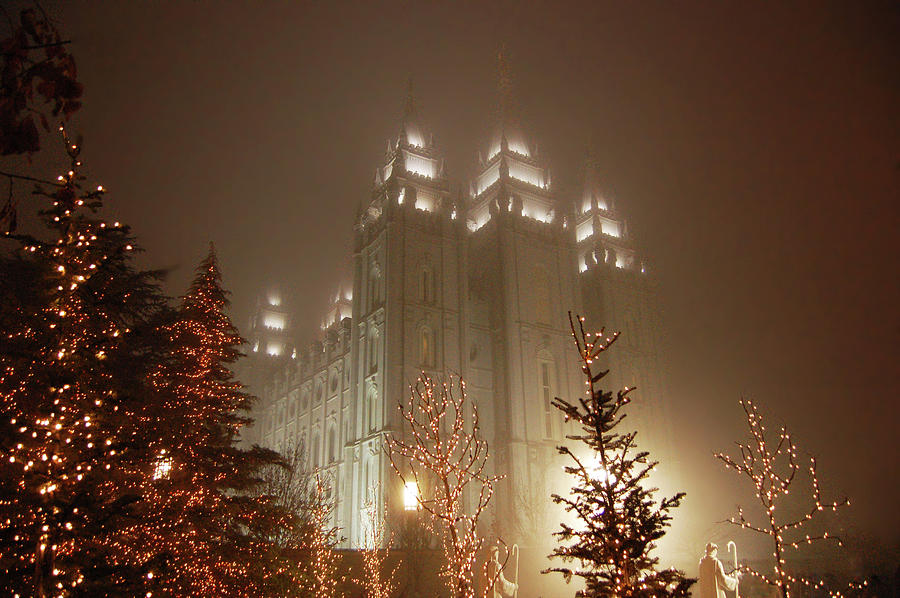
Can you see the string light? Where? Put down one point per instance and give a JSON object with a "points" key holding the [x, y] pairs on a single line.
{"points": [[83, 477], [376, 584], [619, 522], [772, 468], [443, 453]]}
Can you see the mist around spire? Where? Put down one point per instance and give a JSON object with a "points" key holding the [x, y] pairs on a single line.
{"points": [[412, 131], [508, 132]]}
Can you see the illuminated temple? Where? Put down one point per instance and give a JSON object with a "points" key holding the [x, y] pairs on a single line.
{"points": [[472, 278]]}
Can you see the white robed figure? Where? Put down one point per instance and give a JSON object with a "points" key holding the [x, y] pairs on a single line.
{"points": [[502, 587], [713, 581]]}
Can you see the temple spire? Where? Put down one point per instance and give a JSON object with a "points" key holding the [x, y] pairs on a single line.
{"points": [[409, 109], [412, 131], [508, 132], [505, 99]]}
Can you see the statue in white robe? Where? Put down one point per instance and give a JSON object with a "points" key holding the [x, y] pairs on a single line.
{"points": [[502, 587], [713, 581]]}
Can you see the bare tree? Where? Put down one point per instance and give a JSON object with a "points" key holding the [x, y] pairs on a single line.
{"points": [[323, 580], [772, 468], [376, 584], [446, 454], [307, 560]]}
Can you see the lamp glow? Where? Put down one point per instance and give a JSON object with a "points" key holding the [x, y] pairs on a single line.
{"points": [[410, 496]]}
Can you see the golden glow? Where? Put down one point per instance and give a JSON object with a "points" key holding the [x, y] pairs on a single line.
{"points": [[610, 227], [584, 230], [163, 466], [274, 321], [411, 496], [419, 165]]}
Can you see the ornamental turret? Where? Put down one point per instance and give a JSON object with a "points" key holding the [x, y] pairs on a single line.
{"points": [[413, 173], [511, 176], [600, 231]]}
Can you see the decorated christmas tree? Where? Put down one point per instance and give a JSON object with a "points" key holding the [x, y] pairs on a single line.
{"points": [[204, 521], [73, 454], [618, 518]]}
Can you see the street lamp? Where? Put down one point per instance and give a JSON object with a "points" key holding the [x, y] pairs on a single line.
{"points": [[411, 496]]}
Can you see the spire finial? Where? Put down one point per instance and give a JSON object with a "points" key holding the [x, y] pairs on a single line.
{"points": [[410, 107], [504, 84]]}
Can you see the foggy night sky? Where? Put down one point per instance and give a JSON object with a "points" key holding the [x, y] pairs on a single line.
{"points": [[754, 151]]}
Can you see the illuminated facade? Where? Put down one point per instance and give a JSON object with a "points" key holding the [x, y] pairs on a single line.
{"points": [[475, 283]]}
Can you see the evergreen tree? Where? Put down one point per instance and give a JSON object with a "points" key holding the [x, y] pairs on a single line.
{"points": [[618, 519], [73, 454], [205, 522]]}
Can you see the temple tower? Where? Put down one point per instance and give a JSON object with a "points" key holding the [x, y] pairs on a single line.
{"points": [[523, 278], [619, 293], [408, 288]]}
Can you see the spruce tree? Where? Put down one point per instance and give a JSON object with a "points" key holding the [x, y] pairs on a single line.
{"points": [[73, 454], [205, 521], [619, 521]]}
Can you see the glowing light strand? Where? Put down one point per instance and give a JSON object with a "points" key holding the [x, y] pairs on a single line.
{"points": [[443, 453], [619, 520], [772, 468]]}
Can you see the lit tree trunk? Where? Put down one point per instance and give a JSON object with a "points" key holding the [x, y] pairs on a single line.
{"points": [[772, 471], [451, 461]]}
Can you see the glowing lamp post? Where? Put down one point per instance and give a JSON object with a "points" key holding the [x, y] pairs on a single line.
{"points": [[411, 496]]}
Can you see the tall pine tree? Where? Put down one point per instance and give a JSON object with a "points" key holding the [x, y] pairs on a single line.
{"points": [[618, 519], [72, 453], [204, 517]]}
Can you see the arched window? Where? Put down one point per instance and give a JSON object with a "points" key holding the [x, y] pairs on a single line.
{"points": [[372, 407], [426, 346], [314, 449], [346, 428], [374, 286], [332, 448], [426, 285], [546, 375], [373, 349]]}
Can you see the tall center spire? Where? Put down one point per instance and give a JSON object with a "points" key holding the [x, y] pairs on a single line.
{"points": [[505, 100], [409, 109], [508, 127], [411, 126]]}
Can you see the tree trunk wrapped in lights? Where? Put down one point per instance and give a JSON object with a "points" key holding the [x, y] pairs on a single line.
{"points": [[322, 580], [772, 467], [376, 584], [299, 543], [618, 519], [443, 454]]}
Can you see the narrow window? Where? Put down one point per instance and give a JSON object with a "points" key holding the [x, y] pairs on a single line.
{"points": [[546, 398], [372, 407], [332, 456], [427, 285], [373, 351], [427, 347], [315, 450]]}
